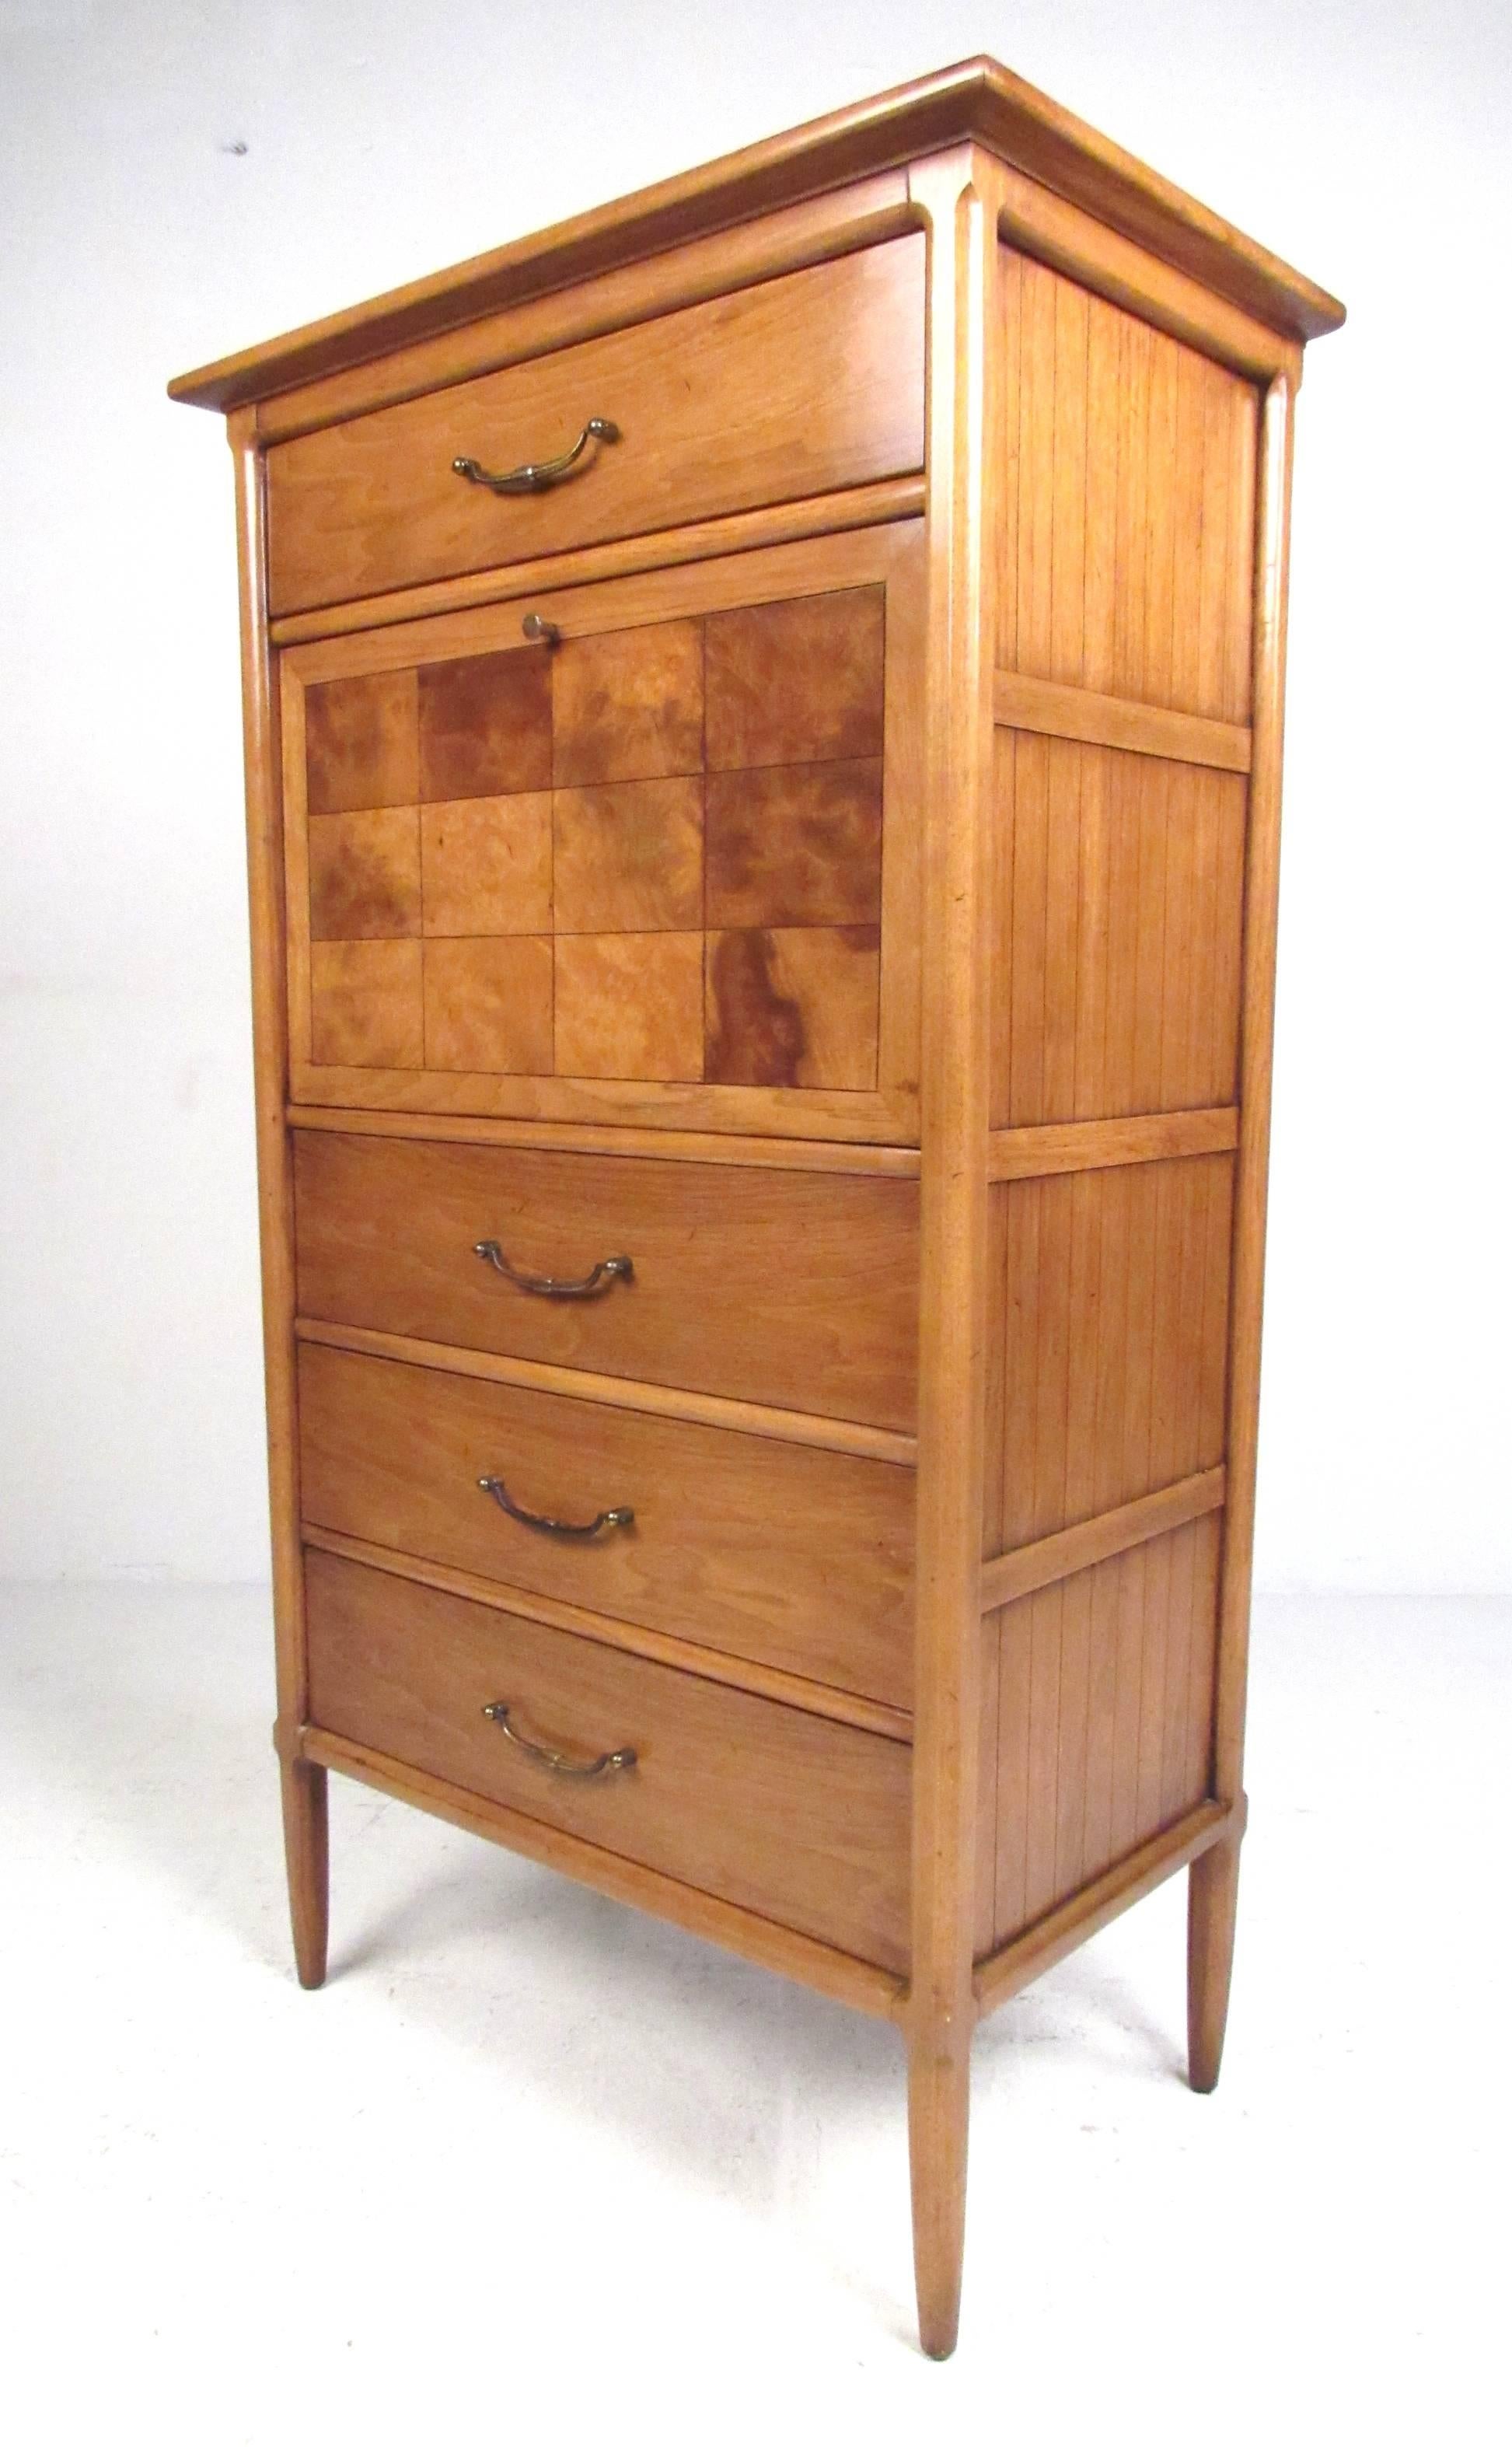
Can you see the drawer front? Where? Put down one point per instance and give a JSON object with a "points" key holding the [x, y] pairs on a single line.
{"points": [[799, 387], [777, 1552], [794, 1289], [794, 1817]]}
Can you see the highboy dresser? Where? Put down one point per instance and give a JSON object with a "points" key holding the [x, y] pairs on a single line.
{"points": [[763, 730]]}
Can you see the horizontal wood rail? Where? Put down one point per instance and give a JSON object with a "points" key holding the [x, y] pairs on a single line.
{"points": [[586, 1138], [1024, 1568], [1020, 703], [861, 505], [1031, 1151], [662, 1647], [864, 1985], [1025, 1957], [622, 1393]]}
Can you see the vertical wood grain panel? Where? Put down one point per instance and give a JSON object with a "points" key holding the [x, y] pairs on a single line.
{"points": [[1108, 1321], [1117, 932], [1104, 1707], [1127, 463]]}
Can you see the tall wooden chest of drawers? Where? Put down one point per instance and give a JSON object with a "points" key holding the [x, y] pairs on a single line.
{"points": [[763, 726]]}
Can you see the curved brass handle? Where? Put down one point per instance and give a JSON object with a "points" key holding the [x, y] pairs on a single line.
{"points": [[497, 1712], [609, 1270], [539, 475], [619, 1516]]}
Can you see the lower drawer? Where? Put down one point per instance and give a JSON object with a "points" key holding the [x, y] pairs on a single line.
{"points": [[789, 1815], [772, 1551]]}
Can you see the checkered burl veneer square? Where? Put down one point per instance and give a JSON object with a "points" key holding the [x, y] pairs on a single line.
{"points": [[651, 854]]}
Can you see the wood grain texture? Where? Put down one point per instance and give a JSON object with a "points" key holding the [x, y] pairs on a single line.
{"points": [[1027, 1957], [788, 682], [1124, 557], [394, 1455], [489, 1003], [794, 1816], [1006, 1577], [664, 1648], [958, 195], [487, 866], [365, 874], [670, 1145], [361, 743], [628, 855], [863, 213], [793, 1289], [1035, 1149], [1111, 1305], [368, 1004], [796, 844], [1118, 899], [633, 981], [1104, 1716], [978, 98], [793, 1006], [867, 506], [1060, 712], [303, 1786], [783, 1950], [375, 502], [629, 1007], [621, 1393], [485, 724]]}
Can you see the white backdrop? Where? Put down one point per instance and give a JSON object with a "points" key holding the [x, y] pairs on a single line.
{"points": [[179, 177]]}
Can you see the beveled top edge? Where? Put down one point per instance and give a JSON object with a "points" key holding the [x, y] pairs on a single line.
{"points": [[978, 100]]}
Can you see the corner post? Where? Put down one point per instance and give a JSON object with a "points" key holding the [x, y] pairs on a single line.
{"points": [[1213, 1887], [955, 195], [304, 1785]]}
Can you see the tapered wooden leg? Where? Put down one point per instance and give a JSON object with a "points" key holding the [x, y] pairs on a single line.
{"points": [[939, 2107], [307, 1854], [1212, 1902]]}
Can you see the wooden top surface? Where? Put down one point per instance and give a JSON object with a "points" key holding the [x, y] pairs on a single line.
{"points": [[978, 100]]}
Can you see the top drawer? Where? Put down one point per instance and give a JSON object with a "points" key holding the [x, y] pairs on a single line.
{"points": [[799, 387]]}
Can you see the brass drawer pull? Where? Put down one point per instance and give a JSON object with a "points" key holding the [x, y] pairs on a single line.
{"points": [[498, 1714], [619, 1516], [539, 475], [609, 1270], [539, 632]]}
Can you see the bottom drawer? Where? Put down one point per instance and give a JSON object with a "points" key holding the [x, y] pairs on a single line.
{"points": [[798, 1818]]}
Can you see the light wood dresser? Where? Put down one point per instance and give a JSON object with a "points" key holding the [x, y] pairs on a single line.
{"points": [[764, 733]]}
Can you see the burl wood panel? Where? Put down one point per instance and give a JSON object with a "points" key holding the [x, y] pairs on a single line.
{"points": [[489, 1003], [791, 1815], [487, 866], [593, 904], [800, 1290], [1104, 1722], [796, 845], [485, 724], [780, 1552], [361, 744], [797, 387], [788, 682], [827, 1266], [795, 1007], [1126, 552], [364, 875], [629, 1007], [630, 704], [368, 1004], [1118, 908], [1107, 1303]]}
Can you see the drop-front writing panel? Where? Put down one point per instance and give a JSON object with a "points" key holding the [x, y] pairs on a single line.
{"points": [[661, 865]]}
